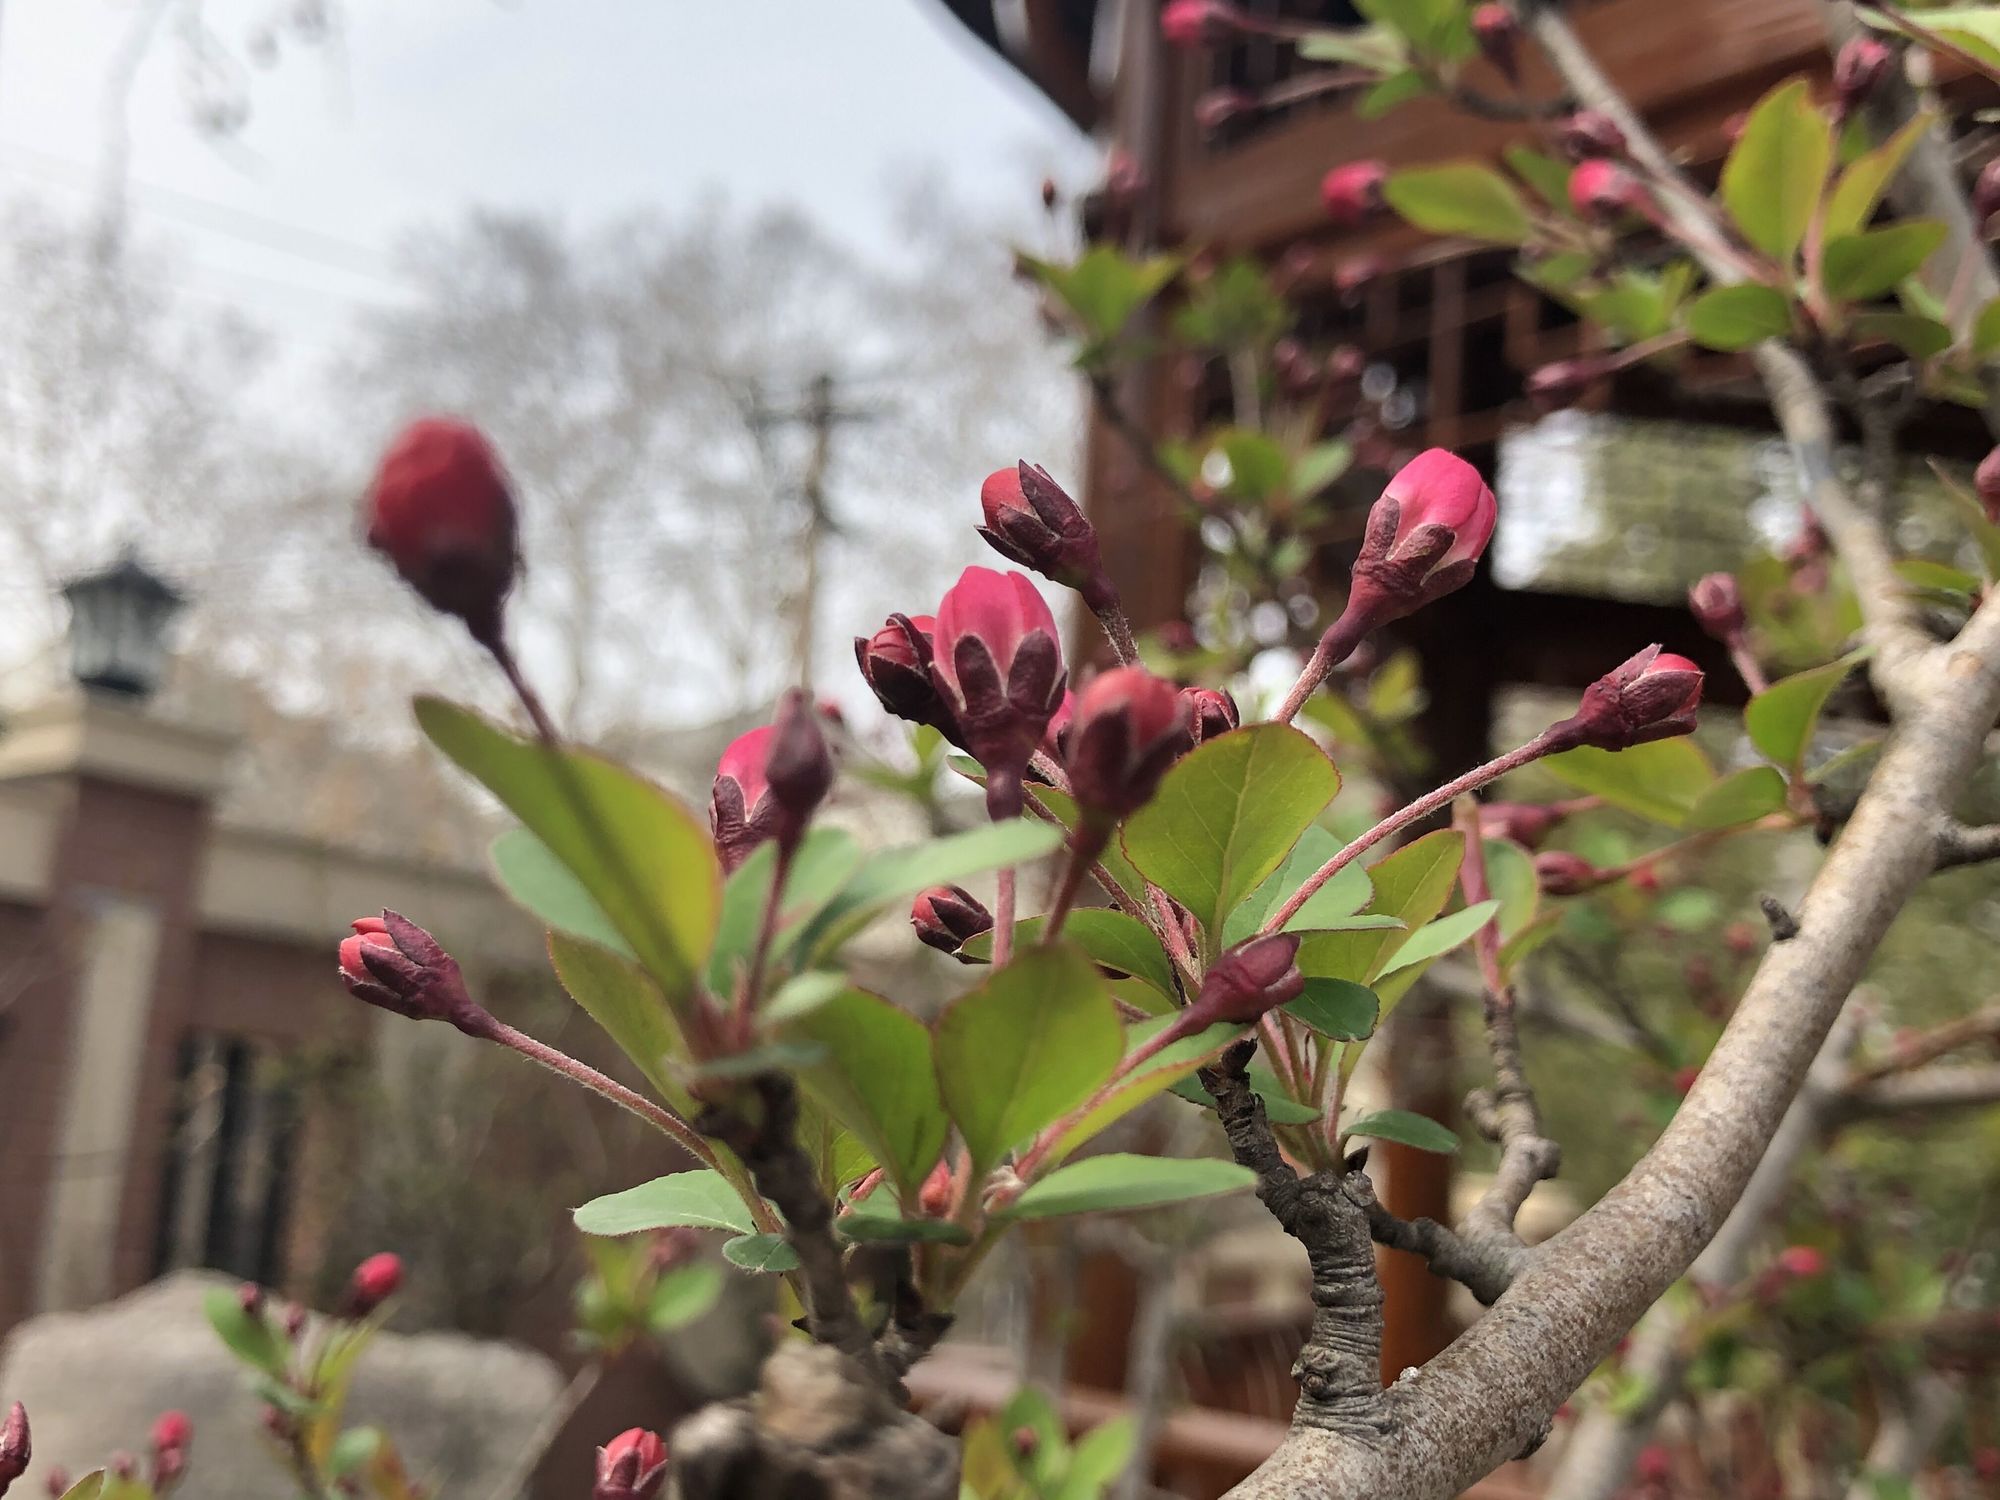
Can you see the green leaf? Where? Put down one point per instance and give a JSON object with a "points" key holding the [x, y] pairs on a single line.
{"points": [[1101, 1456], [353, 1450], [1063, 808], [1986, 330], [767, 1254], [1859, 267], [1412, 886], [1318, 467], [1917, 336], [1971, 28], [1781, 719], [1165, 1071], [1257, 465], [1336, 1008], [642, 857], [1742, 798], [1510, 875], [1929, 577], [1119, 1181], [821, 866], [683, 1294], [1735, 317], [1852, 202], [1117, 942], [90, 1487], [1104, 287], [866, 1223], [1226, 816], [535, 880], [1019, 1050], [617, 994], [1777, 170], [702, 1199], [1328, 907], [1374, 47], [1397, 88], [1406, 1129], [1546, 174], [1461, 198], [1661, 780], [878, 1081], [249, 1336], [1440, 937], [891, 876]]}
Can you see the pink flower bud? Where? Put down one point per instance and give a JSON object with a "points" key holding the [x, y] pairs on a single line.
{"points": [[1256, 976], [1589, 135], [440, 510], [1801, 1261], [1198, 23], [1424, 538], [1651, 696], [295, 1322], [1031, 520], [1986, 483], [1211, 711], [997, 664], [1858, 70], [16, 1446], [947, 917], [1986, 196], [374, 1282], [1351, 276], [123, 1466], [393, 963], [1560, 873], [1345, 364], [1602, 192], [1499, 36], [172, 1429], [1717, 604], [1654, 1465], [1562, 383], [1352, 193], [1220, 107], [1129, 727], [1734, 125], [934, 1197], [56, 1482], [1986, 1463], [632, 1466], [896, 662], [1526, 823], [250, 1296]]}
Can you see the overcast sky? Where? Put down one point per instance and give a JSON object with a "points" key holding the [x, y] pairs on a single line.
{"points": [[589, 108]]}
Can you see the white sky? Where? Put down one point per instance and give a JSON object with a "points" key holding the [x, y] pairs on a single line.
{"points": [[588, 108]]}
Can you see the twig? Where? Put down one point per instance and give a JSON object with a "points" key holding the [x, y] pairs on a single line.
{"points": [[1958, 844], [1929, 1046]]}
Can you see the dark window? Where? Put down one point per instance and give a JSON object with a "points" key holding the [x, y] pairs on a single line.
{"points": [[226, 1178]]}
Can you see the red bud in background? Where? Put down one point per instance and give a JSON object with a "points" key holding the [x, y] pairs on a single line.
{"points": [[1499, 37], [1716, 601], [1560, 873], [441, 511], [1858, 70], [1352, 194], [393, 963], [374, 1282], [1562, 383], [632, 1466], [1129, 726], [1198, 23], [1218, 107], [173, 1433], [56, 1482], [1602, 192], [947, 917], [1589, 135], [16, 1446], [997, 665], [896, 663], [1801, 1261], [1211, 711], [1651, 696], [1351, 276], [1654, 1465], [1031, 520], [1986, 482], [1526, 823]]}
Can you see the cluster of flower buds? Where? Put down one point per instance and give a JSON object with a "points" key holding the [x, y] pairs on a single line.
{"points": [[632, 1466], [1986, 484], [1591, 135], [1031, 520], [1127, 728], [1560, 873], [1199, 23], [1211, 712], [1602, 192], [947, 917], [1499, 37], [1716, 602], [16, 1448], [770, 782], [440, 509], [1653, 695], [1255, 977], [1424, 538], [1352, 193], [392, 962], [1858, 70], [374, 1282], [173, 1436]]}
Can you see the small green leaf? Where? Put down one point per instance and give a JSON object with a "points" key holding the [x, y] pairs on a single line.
{"points": [[767, 1254], [1777, 170], [877, 1079], [1986, 330], [1375, 48], [1661, 780], [1440, 937], [1257, 465], [1397, 88], [1336, 1008], [1781, 719], [1226, 816], [1318, 467], [1331, 906], [1406, 1129], [249, 1336], [1028, 1044], [1510, 875], [1104, 287], [1863, 266], [1546, 174], [1461, 198], [90, 1487], [1119, 1181], [868, 1224], [702, 1199], [353, 1450], [1412, 886], [619, 996], [1735, 317], [684, 1294], [1742, 798], [1852, 202], [1917, 336]]}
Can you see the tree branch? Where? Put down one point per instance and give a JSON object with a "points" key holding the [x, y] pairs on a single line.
{"points": [[1925, 1091], [1909, 1430], [1958, 844]]}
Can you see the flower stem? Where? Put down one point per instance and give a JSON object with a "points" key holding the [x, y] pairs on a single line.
{"points": [[1341, 637], [1003, 915], [767, 928]]}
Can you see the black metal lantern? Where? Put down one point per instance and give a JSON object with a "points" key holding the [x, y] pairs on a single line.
{"points": [[118, 627]]}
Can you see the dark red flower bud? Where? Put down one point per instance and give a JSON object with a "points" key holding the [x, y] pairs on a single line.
{"points": [[1218, 107], [1211, 711], [441, 511], [392, 962], [1986, 482], [1560, 873], [1198, 23], [56, 1482], [798, 768], [1256, 976], [1051, 194], [374, 1282], [1858, 70], [16, 1446], [1589, 135], [1716, 602], [1562, 383], [1352, 193], [1740, 938], [1526, 823], [172, 1429], [997, 664], [1801, 1261], [1654, 1465], [1031, 520], [1986, 196], [1178, 638], [896, 662], [1602, 192], [947, 917], [1651, 696], [1424, 538], [1499, 36], [632, 1466], [1128, 728], [1986, 1463]]}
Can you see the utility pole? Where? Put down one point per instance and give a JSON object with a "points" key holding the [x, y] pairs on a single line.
{"points": [[822, 414]]}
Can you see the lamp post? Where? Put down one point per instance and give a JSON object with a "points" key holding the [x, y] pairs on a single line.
{"points": [[118, 628]]}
